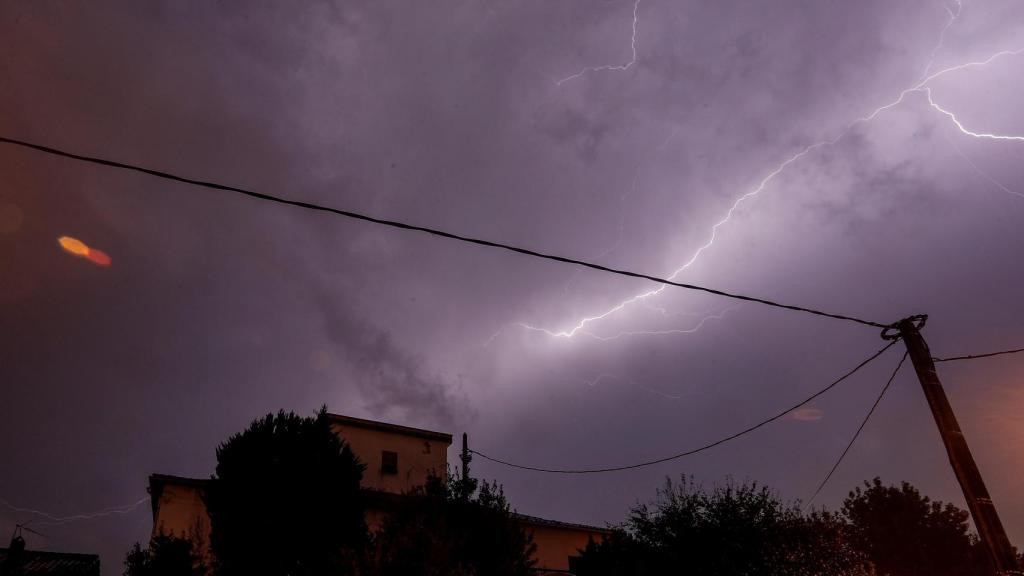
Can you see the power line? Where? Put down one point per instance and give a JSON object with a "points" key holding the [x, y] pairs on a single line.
{"points": [[432, 231], [704, 447], [976, 356], [861, 427]]}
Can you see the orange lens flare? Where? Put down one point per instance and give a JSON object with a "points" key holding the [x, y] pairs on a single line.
{"points": [[78, 248], [98, 257], [73, 245]]}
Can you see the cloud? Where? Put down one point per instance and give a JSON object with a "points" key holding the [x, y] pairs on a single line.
{"points": [[393, 383], [447, 115]]}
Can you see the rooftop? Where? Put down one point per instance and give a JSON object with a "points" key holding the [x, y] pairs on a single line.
{"points": [[537, 521], [386, 427], [56, 563]]}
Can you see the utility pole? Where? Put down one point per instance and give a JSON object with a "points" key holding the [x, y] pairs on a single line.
{"points": [[465, 457], [986, 520]]}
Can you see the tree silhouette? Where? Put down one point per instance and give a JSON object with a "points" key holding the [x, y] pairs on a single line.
{"points": [[165, 556], [443, 530], [734, 529], [285, 500], [907, 534]]}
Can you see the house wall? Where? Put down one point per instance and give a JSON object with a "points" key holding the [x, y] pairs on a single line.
{"points": [[418, 457], [555, 544], [181, 512]]}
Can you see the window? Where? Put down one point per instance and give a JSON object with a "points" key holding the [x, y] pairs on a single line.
{"points": [[388, 462]]}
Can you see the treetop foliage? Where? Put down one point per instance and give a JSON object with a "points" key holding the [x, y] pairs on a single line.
{"points": [[286, 499]]}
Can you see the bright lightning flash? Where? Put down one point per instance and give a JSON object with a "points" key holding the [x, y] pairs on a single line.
{"points": [[54, 520], [979, 171], [954, 14], [610, 67], [920, 87], [612, 377], [952, 117], [695, 328]]}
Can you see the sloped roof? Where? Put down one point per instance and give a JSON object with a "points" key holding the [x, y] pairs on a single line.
{"points": [[538, 521], [35, 562], [387, 427]]}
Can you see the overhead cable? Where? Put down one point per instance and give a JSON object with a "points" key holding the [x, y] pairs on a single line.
{"points": [[701, 448], [859, 428], [977, 356], [424, 229]]}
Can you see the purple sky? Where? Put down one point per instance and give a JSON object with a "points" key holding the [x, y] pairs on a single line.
{"points": [[529, 123]]}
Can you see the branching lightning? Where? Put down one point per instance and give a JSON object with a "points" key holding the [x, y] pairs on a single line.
{"points": [[619, 67], [953, 16], [693, 329], [979, 171], [606, 376], [952, 117], [54, 520], [580, 325], [667, 314], [920, 87]]}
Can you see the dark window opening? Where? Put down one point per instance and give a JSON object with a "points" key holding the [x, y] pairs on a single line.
{"points": [[388, 462]]}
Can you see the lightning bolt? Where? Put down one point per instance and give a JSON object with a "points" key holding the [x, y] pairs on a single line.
{"points": [[920, 87], [619, 67], [665, 313], [696, 255], [695, 328], [606, 376], [953, 16], [54, 520], [952, 117], [979, 171]]}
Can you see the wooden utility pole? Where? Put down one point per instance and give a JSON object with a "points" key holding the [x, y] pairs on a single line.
{"points": [[465, 460], [986, 520]]}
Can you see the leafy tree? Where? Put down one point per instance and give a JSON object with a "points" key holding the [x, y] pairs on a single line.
{"points": [[818, 544], [907, 534], [165, 556], [733, 530], [285, 500], [463, 488], [445, 529]]}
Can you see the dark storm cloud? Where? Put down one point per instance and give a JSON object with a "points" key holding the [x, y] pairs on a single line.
{"points": [[217, 309], [395, 385]]}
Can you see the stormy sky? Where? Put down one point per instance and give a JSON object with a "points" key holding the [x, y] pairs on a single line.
{"points": [[561, 125]]}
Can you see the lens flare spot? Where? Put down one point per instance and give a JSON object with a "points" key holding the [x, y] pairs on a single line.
{"points": [[78, 248], [73, 245], [808, 414], [98, 257]]}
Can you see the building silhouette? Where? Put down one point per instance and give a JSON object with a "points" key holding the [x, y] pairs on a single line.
{"points": [[398, 460], [15, 560]]}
